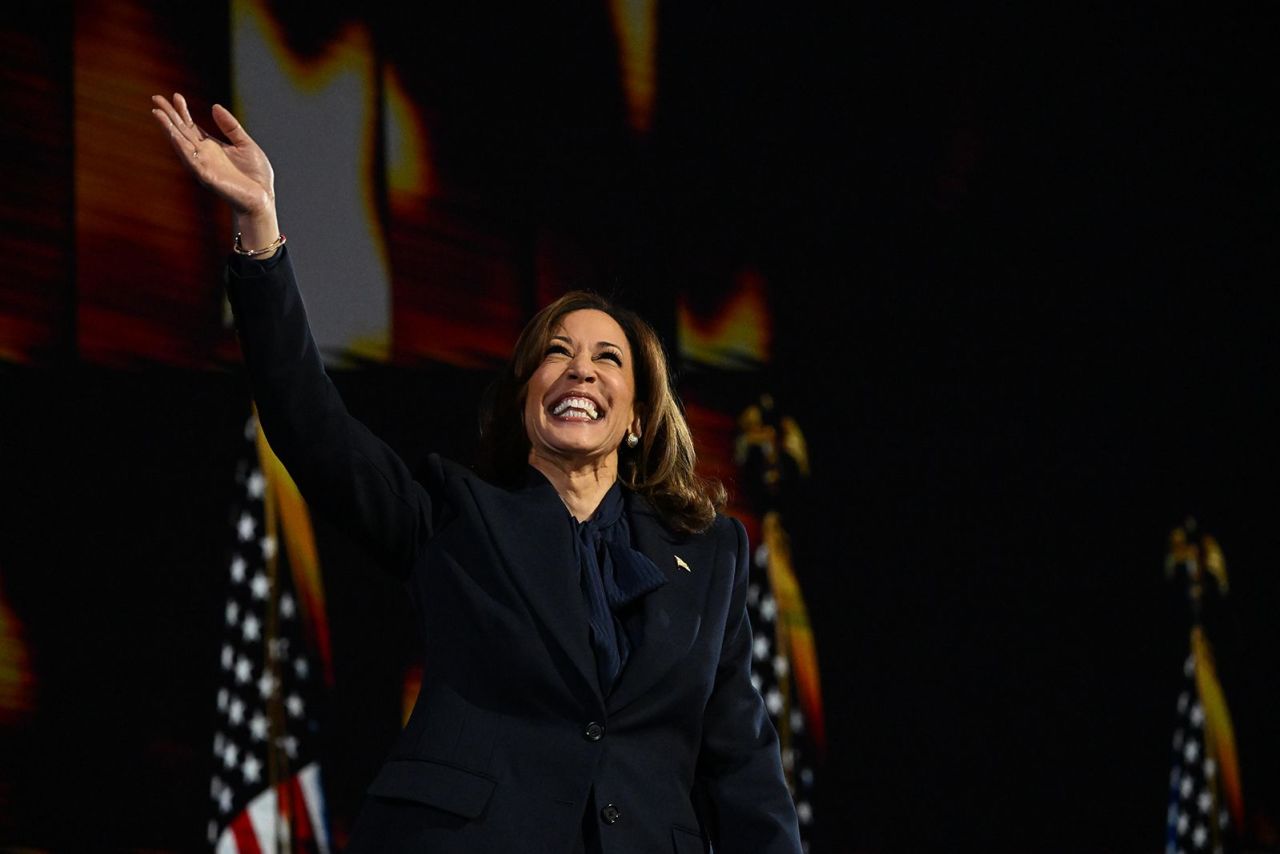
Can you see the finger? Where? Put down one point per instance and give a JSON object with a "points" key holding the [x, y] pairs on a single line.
{"points": [[184, 112], [176, 125], [230, 127]]}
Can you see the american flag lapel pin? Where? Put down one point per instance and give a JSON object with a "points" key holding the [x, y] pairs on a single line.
{"points": [[680, 563]]}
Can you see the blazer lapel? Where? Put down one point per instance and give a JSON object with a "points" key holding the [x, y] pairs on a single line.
{"points": [[529, 528], [672, 614]]}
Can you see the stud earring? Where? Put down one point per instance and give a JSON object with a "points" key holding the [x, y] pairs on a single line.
{"points": [[632, 440]]}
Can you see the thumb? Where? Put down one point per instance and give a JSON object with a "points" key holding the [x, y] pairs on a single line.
{"points": [[230, 127]]}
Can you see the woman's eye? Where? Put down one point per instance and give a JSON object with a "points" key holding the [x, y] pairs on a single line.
{"points": [[558, 349], [609, 354]]}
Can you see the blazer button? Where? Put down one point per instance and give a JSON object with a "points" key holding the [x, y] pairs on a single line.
{"points": [[610, 814], [593, 732]]}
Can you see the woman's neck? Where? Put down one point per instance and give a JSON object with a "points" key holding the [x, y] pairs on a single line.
{"points": [[580, 487]]}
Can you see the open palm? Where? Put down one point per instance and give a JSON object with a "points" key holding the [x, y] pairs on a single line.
{"points": [[237, 170]]}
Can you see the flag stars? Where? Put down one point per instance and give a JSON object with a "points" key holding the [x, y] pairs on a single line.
{"points": [[266, 685], [233, 612], [301, 667], [252, 628], [1191, 751], [258, 727], [268, 545], [1197, 714], [295, 706], [289, 745], [223, 698], [244, 671], [774, 701], [1187, 787], [228, 656], [238, 567], [252, 769], [768, 608], [256, 484], [1204, 802], [1199, 836], [235, 714], [260, 586], [287, 606], [760, 648], [230, 755], [224, 800], [245, 527], [804, 812], [1184, 824], [780, 666], [1210, 768]]}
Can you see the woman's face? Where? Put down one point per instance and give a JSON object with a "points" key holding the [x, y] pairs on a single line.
{"points": [[580, 402]]}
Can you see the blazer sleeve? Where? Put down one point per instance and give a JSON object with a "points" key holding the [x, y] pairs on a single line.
{"points": [[747, 806], [345, 472]]}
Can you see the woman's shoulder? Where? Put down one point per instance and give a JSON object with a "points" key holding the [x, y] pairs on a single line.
{"points": [[725, 531], [437, 470]]}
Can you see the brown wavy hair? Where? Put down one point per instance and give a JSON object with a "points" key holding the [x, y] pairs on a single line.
{"points": [[662, 468]]}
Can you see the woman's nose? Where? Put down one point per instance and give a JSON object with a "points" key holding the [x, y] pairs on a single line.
{"points": [[581, 368]]}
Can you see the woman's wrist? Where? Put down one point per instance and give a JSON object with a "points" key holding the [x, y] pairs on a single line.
{"points": [[255, 232]]}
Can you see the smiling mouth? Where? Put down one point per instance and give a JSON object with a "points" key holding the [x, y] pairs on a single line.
{"points": [[576, 409]]}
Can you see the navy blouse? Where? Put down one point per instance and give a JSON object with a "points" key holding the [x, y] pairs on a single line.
{"points": [[612, 575]]}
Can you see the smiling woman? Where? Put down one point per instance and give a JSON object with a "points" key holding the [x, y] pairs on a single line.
{"points": [[586, 399], [582, 601]]}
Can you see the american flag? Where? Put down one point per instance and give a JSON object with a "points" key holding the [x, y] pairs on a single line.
{"points": [[1198, 819], [1206, 806], [771, 673], [265, 786], [772, 456]]}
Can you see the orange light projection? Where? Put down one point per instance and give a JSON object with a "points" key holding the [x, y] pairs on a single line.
{"points": [[736, 333], [635, 24], [149, 243], [35, 207], [456, 273]]}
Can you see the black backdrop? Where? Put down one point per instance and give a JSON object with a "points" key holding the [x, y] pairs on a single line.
{"points": [[1025, 312]]}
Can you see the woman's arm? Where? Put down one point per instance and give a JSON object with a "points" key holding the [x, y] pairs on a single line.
{"points": [[748, 808], [343, 470]]}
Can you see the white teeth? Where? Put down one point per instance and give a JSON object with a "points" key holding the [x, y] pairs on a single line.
{"points": [[583, 403]]}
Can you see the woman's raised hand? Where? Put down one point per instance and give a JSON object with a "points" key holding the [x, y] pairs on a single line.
{"points": [[236, 170]]}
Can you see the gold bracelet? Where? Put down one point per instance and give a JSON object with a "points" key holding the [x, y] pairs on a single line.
{"points": [[249, 253]]}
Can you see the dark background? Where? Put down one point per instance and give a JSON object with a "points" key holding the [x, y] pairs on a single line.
{"points": [[1020, 265]]}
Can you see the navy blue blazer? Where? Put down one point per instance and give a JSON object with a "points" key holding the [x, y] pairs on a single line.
{"points": [[511, 744]]}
